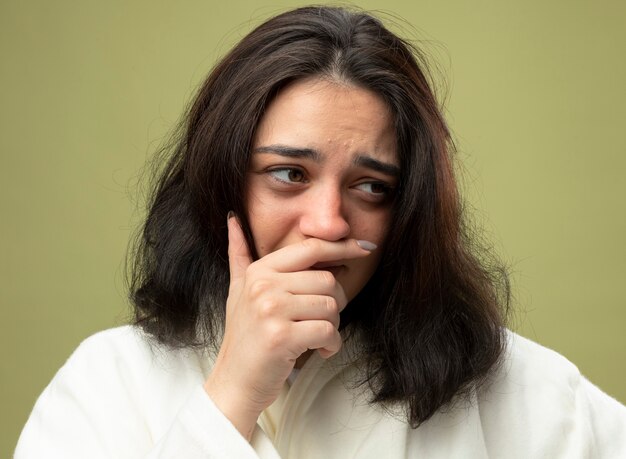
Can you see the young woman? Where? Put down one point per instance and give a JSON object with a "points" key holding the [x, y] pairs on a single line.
{"points": [[304, 288]]}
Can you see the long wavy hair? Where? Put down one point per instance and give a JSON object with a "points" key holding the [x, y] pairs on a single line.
{"points": [[430, 318]]}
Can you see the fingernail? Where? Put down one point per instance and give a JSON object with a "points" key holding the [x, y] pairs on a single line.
{"points": [[367, 245], [230, 215]]}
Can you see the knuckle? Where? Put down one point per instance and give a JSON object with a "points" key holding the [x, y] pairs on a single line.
{"points": [[331, 305], [311, 244], [258, 287], [277, 336], [326, 278], [327, 330], [268, 307]]}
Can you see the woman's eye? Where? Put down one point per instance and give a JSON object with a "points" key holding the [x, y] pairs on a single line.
{"points": [[288, 175], [376, 192], [375, 188]]}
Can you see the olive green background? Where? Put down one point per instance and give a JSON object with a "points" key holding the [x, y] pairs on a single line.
{"points": [[534, 93]]}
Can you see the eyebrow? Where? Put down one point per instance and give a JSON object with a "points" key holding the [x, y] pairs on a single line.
{"points": [[291, 152], [314, 155], [371, 163]]}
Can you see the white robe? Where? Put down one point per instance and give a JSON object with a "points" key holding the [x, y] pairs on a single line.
{"points": [[119, 397]]}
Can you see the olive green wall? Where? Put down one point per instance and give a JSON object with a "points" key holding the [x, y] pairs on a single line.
{"points": [[88, 90]]}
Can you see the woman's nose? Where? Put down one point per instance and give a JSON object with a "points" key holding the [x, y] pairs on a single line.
{"points": [[323, 217]]}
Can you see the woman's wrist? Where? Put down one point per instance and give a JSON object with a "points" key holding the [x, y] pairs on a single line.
{"points": [[232, 405]]}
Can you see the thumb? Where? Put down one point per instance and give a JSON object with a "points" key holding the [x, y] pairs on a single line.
{"points": [[238, 253]]}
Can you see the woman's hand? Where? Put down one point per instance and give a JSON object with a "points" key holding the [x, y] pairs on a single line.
{"points": [[277, 309]]}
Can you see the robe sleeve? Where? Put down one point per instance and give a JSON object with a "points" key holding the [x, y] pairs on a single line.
{"points": [[103, 404], [187, 436], [540, 405], [607, 421]]}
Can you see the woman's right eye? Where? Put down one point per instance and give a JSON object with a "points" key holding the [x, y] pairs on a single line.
{"points": [[288, 175]]}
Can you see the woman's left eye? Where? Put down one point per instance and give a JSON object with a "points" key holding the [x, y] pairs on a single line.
{"points": [[374, 188]]}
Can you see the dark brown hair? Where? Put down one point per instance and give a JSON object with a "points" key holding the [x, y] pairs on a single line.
{"points": [[430, 317]]}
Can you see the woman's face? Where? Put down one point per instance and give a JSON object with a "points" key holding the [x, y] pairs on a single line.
{"points": [[324, 165]]}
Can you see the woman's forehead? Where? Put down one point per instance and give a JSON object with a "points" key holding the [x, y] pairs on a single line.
{"points": [[329, 117]]}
